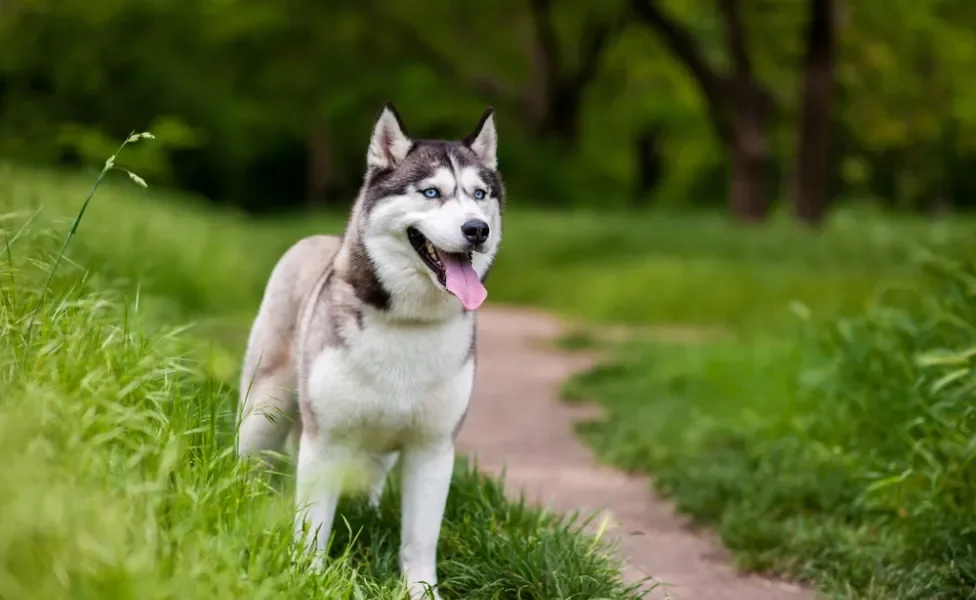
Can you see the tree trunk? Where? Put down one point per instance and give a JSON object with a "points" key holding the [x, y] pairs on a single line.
{"points": [[559, 90], [563, 115], [812, 177], [319, 174], [750, 154], [748, 179], [738, 105], [647, 153]]}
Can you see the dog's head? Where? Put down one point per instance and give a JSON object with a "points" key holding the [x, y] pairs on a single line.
{"points": [[431, 210]]}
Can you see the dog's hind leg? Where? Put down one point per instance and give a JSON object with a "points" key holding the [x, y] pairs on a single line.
{"points": [[319, 481], [383, 463], [269, 413], [268, 386]]}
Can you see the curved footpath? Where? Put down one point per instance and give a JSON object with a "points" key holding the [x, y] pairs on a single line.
{"points": [[517, 422]]}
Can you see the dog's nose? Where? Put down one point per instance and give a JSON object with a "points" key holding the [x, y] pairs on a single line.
{"points": [[475, 231]]}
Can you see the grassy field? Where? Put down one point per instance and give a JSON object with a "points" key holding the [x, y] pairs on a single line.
{"points": [[116, 426], [810, 436], [840, 452], [701, 270]]}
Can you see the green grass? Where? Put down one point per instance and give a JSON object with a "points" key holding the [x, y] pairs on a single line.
{"points": [[777, 435], [842, 454], [659, 268], [116, 426]]}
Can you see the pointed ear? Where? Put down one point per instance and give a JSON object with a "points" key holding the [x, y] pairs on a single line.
{"points": [[484, 140], [390, 142]]}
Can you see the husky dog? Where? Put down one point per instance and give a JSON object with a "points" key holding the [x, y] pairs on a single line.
{"points": [[367, 342]]}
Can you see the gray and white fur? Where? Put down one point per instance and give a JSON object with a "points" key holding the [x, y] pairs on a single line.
{"points": [[364, 345]]}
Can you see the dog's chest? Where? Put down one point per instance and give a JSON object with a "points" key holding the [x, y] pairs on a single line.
{"points": [[389, 385]]}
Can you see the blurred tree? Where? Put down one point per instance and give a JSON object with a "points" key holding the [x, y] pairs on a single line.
{"points": [[267, 105], [564, 84], [307, 83], [813, 181], [907, 107], [561, 54], [649, 163], [738, 104]]}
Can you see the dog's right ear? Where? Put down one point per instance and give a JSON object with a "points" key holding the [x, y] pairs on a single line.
{"points": [[390, 143]]}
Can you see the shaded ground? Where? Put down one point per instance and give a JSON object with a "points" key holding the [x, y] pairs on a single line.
{"points": [[518, 423]]}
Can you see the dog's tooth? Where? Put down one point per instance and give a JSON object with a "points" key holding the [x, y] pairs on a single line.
{"points": [[431, 252]]}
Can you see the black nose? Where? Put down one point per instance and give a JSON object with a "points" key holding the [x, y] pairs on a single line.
{"points": [[476, 231]]}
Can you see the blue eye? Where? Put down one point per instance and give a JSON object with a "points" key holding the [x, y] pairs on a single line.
{"points": [[431, 192], [479, 194]]}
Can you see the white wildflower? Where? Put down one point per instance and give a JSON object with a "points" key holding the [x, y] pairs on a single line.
{"points": [[139, 180], [135, 137]]}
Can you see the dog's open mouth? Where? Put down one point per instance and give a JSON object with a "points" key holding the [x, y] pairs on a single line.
{"points": [[453, 270]]}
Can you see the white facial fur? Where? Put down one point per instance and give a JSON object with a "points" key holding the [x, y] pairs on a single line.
{"points": [[398, 266]]}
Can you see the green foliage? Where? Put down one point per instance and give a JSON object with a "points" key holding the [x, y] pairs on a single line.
{"points": [[278, 78], [699, 269], [842, 454], [912, 136], [116, 428]]}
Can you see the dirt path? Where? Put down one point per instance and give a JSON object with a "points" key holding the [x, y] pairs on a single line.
{"points": [[517, 421]]}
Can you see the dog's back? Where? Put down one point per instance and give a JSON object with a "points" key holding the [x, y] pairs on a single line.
{"points": [[268, 384]]}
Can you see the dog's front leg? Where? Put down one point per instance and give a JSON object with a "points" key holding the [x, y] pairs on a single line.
{"points": [[318, 485], [426, 480]]}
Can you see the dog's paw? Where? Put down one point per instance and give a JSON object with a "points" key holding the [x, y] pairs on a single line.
{"points": [[422, 591], [317, 563]]}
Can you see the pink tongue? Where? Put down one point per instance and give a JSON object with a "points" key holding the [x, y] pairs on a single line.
{"points": [[462, 281]]}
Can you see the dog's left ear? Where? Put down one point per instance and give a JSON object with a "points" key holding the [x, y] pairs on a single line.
{"points": [[389, 143], [483, 141]]}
